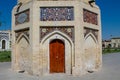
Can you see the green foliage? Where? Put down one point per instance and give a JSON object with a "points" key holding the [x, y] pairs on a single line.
{"points": [[110, 50], [5, 56]]}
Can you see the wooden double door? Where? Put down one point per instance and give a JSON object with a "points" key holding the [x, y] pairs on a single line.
{"points": [[57, 56]]}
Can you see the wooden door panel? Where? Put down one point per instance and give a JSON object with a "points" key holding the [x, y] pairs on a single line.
{"points": [[57, 56], [53, 63], [61, 57]]}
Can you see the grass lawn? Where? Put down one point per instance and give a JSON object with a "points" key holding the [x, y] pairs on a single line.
{"points": [[110, 50], [5, 56]]}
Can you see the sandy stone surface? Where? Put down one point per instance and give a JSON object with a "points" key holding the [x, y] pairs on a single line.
{"points": [[110, 71]]}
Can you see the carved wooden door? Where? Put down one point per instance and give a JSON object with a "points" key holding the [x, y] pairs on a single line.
{"points": [[57, 56]]}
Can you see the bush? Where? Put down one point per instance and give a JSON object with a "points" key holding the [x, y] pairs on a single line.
{"points": [[5, 56]]}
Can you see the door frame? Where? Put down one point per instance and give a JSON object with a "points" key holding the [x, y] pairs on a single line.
{"points": [[69, 51]]}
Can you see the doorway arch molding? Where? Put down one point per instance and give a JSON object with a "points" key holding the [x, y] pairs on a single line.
{"points": [[59, 33], [69, 49]]}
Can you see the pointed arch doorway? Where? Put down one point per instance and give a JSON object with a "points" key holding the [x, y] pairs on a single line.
{"points": [[3, 44], [57, 56]]}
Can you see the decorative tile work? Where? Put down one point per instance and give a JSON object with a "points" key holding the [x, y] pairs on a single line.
{"points": [[22, 17], [18, 33], [67, 30], [4, 35], [93, 31], [90, 17], [57, 13]]}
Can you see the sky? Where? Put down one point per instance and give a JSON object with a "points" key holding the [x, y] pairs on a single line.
{"points": [[110, 16], [5, 13]]}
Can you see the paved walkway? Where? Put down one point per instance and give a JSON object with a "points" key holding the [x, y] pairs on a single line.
{"points": [[110, 71]]}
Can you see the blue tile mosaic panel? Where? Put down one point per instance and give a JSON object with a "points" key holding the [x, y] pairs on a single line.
{"points": [[22, 17], [90, 17], [57, 13]]}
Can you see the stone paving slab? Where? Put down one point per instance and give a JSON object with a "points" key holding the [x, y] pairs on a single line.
{"points": [[110, 71]]}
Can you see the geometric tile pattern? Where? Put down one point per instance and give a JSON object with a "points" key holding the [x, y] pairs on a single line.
{"points": [[90, 17], [69, 31], [18, 33], [57, 13], [22, 17], [4, 35], [93, 31]]}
